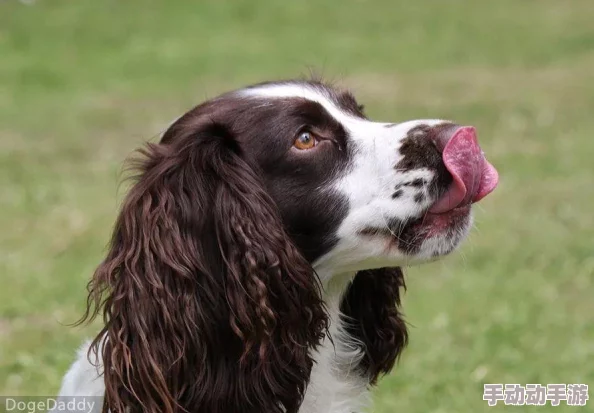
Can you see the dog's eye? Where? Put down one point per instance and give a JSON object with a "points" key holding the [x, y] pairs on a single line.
{"points": [[305, 140]]}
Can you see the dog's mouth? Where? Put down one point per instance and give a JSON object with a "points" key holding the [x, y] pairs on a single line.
{"points": [[449, 224], [471, 178], [409, 236]]}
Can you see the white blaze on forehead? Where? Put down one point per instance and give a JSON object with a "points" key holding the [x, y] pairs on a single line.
{"points": [[315, 94], [287, 90]]}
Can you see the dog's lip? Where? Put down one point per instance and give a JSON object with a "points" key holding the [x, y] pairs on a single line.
{"points": [[426, 221], [430, 218]]}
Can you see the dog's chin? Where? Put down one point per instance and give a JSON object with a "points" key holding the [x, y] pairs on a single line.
{"points": [[425, 238], [435, 235], [442, 234]]}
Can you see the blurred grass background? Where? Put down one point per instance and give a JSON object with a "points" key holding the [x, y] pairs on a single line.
{"points": [[83, 83]]}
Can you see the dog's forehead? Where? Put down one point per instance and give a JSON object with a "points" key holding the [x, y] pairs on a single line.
{"points": [[322, 94]]}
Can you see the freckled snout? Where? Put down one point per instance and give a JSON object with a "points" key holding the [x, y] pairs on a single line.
{"points": [[473, 177]]}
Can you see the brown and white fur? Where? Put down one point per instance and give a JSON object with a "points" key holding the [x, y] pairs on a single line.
{"points": [[247, 273]]}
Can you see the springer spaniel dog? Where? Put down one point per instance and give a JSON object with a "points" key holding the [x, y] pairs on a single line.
{"points": [[255, 266]]}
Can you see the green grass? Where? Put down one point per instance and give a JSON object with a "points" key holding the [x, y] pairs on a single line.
{"points": [[82, 83]]}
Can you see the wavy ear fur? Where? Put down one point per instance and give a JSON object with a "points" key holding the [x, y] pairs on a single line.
{"points": [[208, 306], [371, 314]]}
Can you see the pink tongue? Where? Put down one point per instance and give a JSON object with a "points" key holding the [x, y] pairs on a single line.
{"points": [[473, 176]]}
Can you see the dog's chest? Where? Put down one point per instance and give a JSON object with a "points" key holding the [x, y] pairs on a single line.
{"points": [[336, 385]]}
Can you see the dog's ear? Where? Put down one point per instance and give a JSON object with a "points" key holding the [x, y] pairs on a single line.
{"points": [[208, 305], [371, 314]]}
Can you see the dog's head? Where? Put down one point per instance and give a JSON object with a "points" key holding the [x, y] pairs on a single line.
{"points": [[352, 193], [212, 294]]}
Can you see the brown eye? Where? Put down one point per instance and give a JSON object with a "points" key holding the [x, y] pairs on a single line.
{"points": [[305, 140]]}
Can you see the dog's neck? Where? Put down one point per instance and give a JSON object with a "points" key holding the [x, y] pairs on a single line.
{"points": [[335, 385]]}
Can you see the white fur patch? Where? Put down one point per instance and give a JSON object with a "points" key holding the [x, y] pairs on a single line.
{"points": [[84, 379]]}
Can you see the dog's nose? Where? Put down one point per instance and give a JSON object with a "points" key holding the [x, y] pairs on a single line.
{"points": [[473, 176]]}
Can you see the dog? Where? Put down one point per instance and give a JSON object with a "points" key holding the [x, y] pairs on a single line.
{"points": [[255, 265]]}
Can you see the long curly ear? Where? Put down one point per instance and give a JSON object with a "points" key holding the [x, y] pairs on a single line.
{"points": [[208, 306], [370, 309]]}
